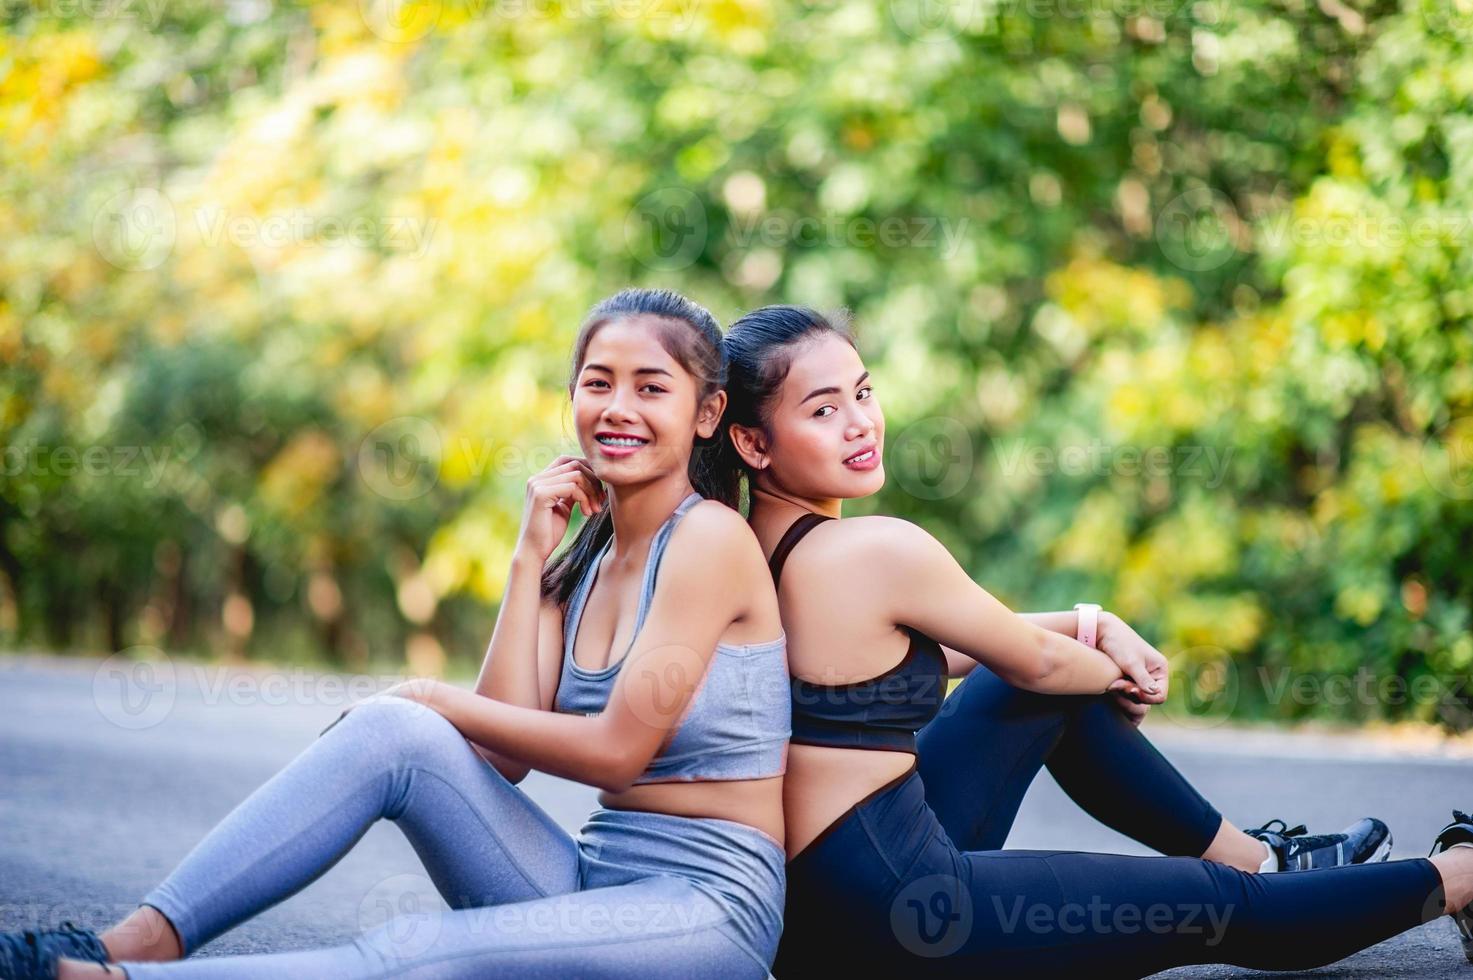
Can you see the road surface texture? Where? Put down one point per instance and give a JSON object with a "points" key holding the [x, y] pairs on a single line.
{"points": [[110, 771]]}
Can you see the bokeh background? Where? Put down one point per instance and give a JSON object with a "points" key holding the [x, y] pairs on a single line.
{"points": [[1169, 305]]}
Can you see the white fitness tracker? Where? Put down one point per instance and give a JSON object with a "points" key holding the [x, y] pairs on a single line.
{"points": [[1089, 623]]}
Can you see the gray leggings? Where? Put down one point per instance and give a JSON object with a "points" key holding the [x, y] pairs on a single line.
{"points": [[635, 894]]}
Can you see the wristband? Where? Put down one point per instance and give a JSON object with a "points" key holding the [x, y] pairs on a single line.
{"points": [[1089, 623]]}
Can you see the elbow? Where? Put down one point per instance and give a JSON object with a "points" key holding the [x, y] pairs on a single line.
{"points": [[614, 786], [1042, 670], [513, 771], [616, 780], [615, 771]]}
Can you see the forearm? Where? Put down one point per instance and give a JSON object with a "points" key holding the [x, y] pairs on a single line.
{"points": [[1066, 623], [572, 746], [958, 664], [509, 672], [1070, 667]]}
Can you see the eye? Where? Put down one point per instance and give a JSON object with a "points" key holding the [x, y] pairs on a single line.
{"points": [[656, 387], [865, 392], [820, 412], [595, 382]]}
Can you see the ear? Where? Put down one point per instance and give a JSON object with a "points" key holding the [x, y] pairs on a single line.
{"points": [[751, 445], [709, 416]]}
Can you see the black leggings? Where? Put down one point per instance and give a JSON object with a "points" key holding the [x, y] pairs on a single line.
{"points": [[911, 879]]}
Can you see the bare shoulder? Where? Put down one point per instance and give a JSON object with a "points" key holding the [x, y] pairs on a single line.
{"points": [[872, 541], [884, 531], [714, 534], [713, 514], [713, 565]]}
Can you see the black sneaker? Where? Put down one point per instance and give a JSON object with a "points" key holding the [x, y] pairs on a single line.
{"points": [[1460, 831], [32, 954], [1366, 841]]}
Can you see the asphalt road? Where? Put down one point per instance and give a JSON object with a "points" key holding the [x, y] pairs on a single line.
{"points": [[110, 773]]}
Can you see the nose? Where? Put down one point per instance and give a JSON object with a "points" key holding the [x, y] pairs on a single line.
{"points": [[617, 409]]}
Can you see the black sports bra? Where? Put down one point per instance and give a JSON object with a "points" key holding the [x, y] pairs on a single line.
{"points": [[882, 712]]}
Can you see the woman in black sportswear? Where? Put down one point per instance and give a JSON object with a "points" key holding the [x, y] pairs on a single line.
{"points": [[897, 800]]}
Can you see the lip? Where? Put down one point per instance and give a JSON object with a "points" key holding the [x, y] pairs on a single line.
{"points": [[867, 464], [618, 452]]}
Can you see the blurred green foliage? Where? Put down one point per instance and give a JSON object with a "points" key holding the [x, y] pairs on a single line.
{"points": [[1169, 302]]}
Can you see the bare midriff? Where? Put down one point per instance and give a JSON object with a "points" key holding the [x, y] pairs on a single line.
{"points": [[755, 802], [823, 782]]}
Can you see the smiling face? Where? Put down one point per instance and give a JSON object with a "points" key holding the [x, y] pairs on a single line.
{"points": [[825, 431], [636, 409]]}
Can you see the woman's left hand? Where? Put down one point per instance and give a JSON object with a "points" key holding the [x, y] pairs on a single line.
{"points": [[1133, 709]]}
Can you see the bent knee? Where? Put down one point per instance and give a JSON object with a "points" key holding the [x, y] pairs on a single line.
{"points": [[406, 727]]}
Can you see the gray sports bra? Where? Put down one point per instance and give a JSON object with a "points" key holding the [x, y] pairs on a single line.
{"points": [[738, 721]]}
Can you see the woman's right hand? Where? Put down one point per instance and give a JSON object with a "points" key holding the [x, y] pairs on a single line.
{"points": [[1146, 670], [551, 495]]}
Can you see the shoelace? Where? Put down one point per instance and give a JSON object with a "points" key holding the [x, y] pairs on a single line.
{"points": [[67, 926], [1299, 844], [33, 939], [1283, 831]]}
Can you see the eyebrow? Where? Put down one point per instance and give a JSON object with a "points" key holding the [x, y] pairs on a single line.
{"points": [[831, 390], [643, 370]]}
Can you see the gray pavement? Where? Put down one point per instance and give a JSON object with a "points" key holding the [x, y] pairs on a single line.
{"points": [[110, 773]]}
